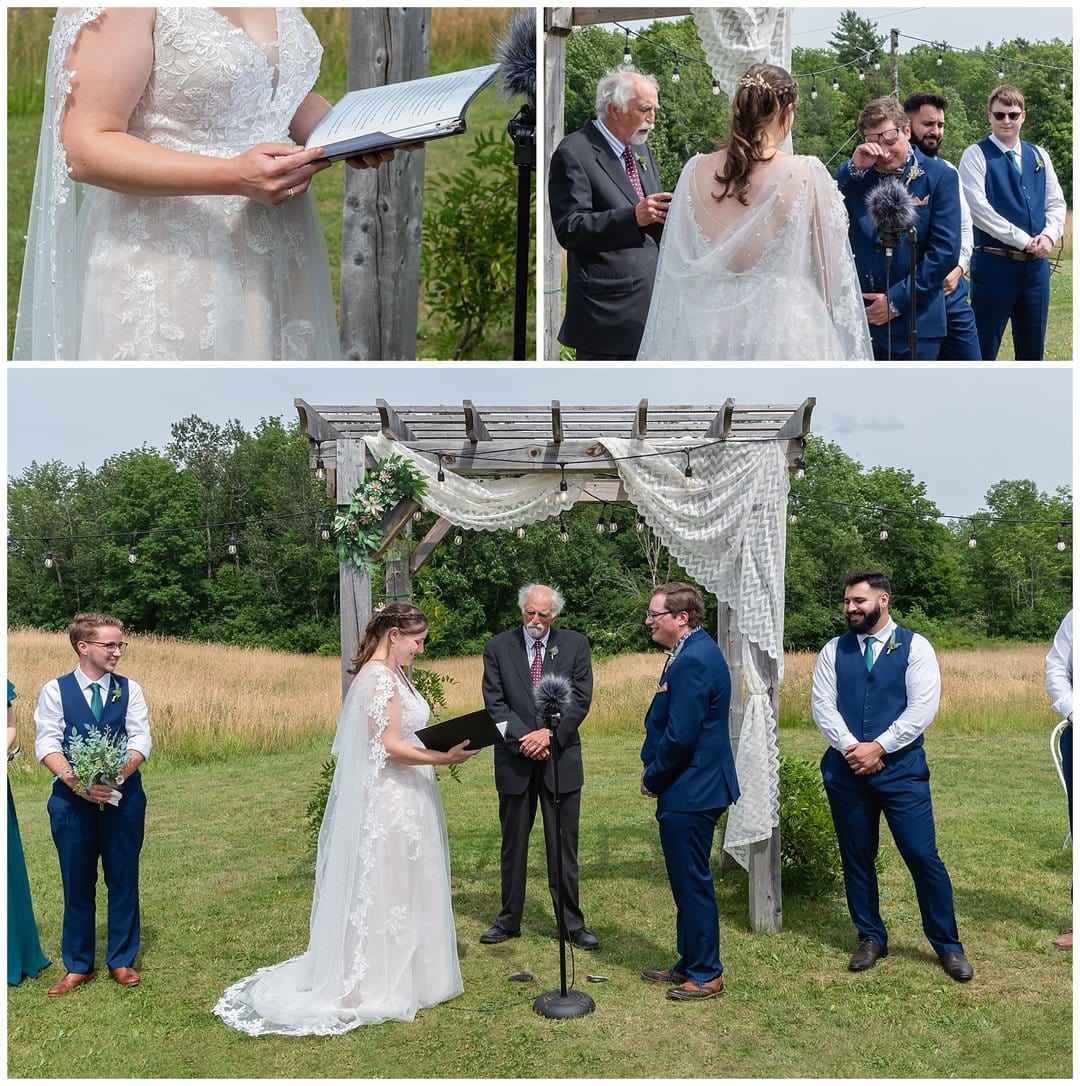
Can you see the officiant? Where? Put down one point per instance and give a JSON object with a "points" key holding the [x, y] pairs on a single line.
{"points": [[608, 213], [89, 823]]}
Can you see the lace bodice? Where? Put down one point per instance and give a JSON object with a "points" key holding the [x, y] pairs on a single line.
{"points": [[215, 91], [383, 687]]}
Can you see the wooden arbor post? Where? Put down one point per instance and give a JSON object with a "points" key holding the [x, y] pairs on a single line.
{"points": [[383, 209]]}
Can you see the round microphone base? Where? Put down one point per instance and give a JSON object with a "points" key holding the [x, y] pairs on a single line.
{"points": [[556, 1005]]}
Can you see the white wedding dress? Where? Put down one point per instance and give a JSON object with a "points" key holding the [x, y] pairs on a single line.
{"points": [[201, 278], [772, 281], [382, 940]]}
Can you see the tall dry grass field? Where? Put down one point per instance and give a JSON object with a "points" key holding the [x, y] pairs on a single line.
{"points": [[209, 702]]}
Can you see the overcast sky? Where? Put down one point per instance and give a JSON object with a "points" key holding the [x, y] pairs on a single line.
{"points": [[959, 429]]}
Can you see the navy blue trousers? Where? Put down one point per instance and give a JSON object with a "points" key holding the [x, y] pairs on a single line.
{"points": [[900, 792], [83, 835], [1066, 742], [1004, 290], [686, 838], [961, 342]]}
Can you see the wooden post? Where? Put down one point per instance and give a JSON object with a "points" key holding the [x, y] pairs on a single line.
{"points": [[354, 587], [557, 23], [766, 895], [382, 216], [727, 637]]}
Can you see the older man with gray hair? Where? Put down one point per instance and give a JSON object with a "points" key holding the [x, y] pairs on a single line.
{"points": [[608, 213], [514, 663]]}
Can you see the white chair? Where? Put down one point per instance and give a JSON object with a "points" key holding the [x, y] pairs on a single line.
{"points": [[1055, 753]]}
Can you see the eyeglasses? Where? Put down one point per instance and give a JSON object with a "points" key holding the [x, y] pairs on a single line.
{"points": [[1000, 115], [890, 135], [110, 646], [536, 614], [652, 615]]}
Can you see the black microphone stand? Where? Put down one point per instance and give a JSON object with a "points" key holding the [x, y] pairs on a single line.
{"points": [[563, 1003], [890, 239], [913, 335], [522, 130]]}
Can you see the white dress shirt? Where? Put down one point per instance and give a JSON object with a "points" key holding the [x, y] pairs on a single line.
{"points": [[983, 214], [49, 715], [531, 641], [967, 241], [617, 144], [922, 680], [1059, 683]]}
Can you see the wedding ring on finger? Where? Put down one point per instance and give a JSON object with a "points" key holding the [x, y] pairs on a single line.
{"points": [[291, 193]]}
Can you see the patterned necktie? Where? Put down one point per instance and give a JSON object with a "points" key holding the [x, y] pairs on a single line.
{"points": [[1014, 158], [631, 171], [868, 652], [537, 661], [95, 701]]}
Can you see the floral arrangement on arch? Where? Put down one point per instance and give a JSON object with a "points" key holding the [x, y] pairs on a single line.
{"points": [[358, 528]]}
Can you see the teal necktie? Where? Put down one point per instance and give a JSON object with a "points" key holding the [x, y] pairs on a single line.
{"points": [[95, 701], [868, 652], [1014, 159]]}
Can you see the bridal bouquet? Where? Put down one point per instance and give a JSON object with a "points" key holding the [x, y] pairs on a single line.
{"points": [[98, 759]]}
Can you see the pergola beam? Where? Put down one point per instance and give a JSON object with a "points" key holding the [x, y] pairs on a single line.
{"points": [[556, 422], [393, 426], [720, 426], [474, 423]]}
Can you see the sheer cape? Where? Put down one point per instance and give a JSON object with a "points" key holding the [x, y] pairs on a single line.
{"points": [[381, 940], [777, 281], [113, 276]]}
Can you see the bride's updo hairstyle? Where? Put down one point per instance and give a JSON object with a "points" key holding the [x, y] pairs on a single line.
{"points": [[406, 617], [762, 96]]}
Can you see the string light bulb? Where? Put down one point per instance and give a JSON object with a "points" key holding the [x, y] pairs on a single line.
{"points": [[940, 58], [883, 532], [600, 520], [133, 550], [626, 56], [612, 525], [715, 87], [813, 89], [458, 537], [564, 535], [324, 531], [675, 77], [800, 468], [320, 467], [1061, 541], [440, 475], [564, 490], [231, 546], [521, 531], [48, 557], [835, 83], [862, 74], [639, 526], [688, 471], [972, 540], [793, 516]]}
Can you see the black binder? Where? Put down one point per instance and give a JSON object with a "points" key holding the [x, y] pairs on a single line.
{"points": [[478, 728]]}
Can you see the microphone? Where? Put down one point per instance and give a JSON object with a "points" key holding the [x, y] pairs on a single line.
{"points": [[515, 53], [891, 209], [552, 695]]}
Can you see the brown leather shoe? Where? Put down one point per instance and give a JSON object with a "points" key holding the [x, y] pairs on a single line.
{"points": [[70, 981], [698, 989], [668, 976], [125, 975], [1064, 942], [866, 955]]}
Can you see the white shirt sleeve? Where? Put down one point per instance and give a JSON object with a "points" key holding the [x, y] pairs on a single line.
{"points": [[49, 720], [923, 683], [973, 181], [967, 241], [1055, 201], [1059, 681], [823, 700]]}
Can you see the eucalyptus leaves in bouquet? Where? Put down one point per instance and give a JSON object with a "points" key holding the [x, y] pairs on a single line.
{"points": [[97, 758], [358, 529]]}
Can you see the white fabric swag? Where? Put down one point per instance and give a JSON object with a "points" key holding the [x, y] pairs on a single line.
{"points": [[726, 525]]}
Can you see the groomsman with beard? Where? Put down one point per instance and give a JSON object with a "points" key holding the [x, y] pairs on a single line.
{"points": [[884, 154], [608, 215], [926, 112]]}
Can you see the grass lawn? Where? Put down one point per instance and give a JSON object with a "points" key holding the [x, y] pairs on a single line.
{"points": [[226, 887]]}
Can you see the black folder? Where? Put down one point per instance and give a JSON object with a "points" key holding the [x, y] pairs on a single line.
{"points": [[477, 727]]}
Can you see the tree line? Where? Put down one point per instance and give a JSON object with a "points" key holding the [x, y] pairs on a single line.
{"points": [[692, 120], [223, 526]]}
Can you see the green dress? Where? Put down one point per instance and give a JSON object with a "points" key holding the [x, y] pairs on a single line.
{"points": [[25, 958]]}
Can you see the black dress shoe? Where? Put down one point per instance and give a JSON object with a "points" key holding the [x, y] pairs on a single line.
{"points": [[584, 939], [866, 954], [495, 934], [956, 965]]}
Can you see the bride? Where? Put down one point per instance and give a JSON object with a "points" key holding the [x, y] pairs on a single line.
{"points": [[170, 217], [382, 940], [755, 262]]}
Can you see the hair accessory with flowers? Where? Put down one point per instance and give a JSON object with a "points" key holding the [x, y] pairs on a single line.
{"points": [[755, 80], [358, 528]]}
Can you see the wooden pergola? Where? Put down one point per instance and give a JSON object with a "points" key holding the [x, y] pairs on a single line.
{"points": [[503, 441]]}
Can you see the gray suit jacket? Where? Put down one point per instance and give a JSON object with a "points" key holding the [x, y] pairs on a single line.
{"points": [[611, 261], [508, 695]]}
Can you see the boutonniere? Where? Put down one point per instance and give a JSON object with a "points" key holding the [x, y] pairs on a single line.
{"points": [[893, 644], [553, 651], [116, 692], [643, 164], [914, 172], [1038, 163]]}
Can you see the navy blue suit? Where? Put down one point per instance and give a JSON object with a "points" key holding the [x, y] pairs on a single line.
{"points": [[690, 767], [83, 833], [869, 702], [936, 190], [1002, 288]]}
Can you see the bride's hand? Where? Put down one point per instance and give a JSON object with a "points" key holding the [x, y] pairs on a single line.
{"points": [[460, 753], [271, 173]]}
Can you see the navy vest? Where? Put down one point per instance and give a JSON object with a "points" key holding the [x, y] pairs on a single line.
{"points": [[1018, 197], [869, 701], [78, 720]]}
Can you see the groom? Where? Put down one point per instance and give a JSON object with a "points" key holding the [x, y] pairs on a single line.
{"points": [[934, 187], [608, 215]]}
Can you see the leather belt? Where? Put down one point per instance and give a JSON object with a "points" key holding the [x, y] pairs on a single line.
{"points": [[1012, 254]]}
